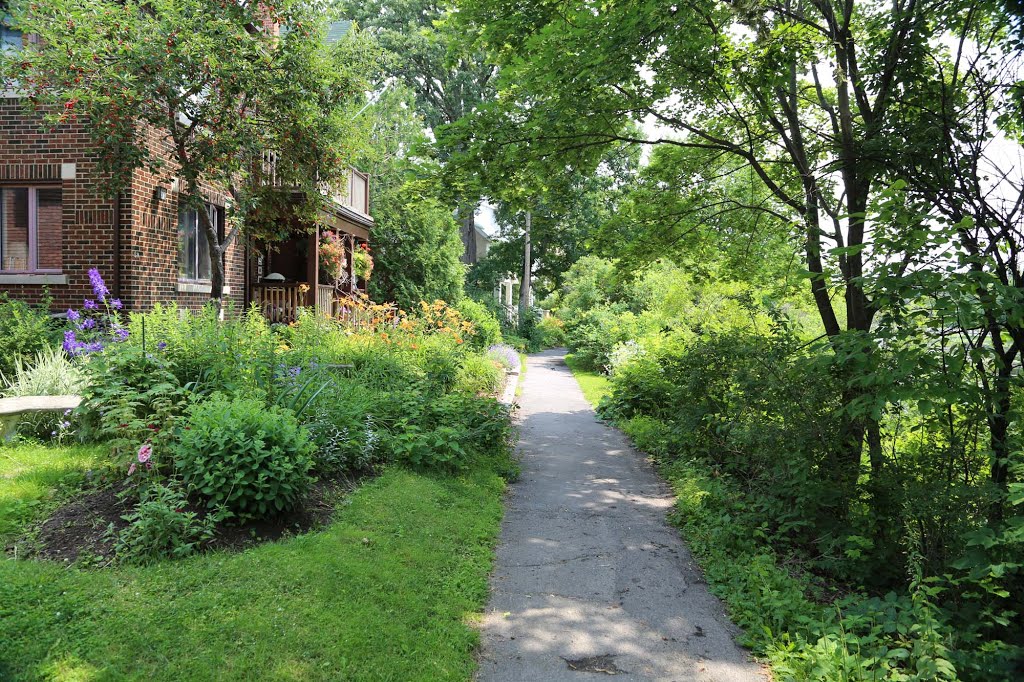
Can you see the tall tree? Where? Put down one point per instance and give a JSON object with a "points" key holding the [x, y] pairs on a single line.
{"points": [[221, 89], [429, 54], [804, 94]]}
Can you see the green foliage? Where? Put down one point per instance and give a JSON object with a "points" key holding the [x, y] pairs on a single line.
{"points": [[452, 432], [485, 323], [416, 247], [132, 397], [235, 355], [243, 456], [25, 330], [161, 527]]}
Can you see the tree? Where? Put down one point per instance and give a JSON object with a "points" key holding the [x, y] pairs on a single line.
{"points": [[224, 93], [416, 239], [804, 95], [429, 54]]}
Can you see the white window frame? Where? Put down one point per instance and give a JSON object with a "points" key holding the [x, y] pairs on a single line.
{"points": [[33, 233]]}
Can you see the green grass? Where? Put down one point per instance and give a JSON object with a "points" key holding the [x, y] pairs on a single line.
{"points": [[595, 386], [387, 592], [31, 475]]}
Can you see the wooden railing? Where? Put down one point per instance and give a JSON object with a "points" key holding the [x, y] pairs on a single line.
{"points": [[325, 297], [354, 192], [280, 303]]}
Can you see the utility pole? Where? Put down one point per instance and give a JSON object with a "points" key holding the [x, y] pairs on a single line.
{"points": [[524, 288]]}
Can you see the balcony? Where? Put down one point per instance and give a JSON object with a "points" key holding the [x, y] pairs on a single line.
{"points": [[351, 191]]}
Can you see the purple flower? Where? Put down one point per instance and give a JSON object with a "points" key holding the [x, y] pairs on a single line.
{"points": [[115, 303], [73, 314], [94, 347], [99, 287], [294, 371], [70, 342], [87, 323], [90, 304], [161, 346], [120, 334]]}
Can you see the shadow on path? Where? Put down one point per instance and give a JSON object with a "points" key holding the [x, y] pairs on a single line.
{"points": [[590, 579]]}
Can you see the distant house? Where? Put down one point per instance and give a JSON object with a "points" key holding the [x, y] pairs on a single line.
{"points": [[53, 228], [475, 243]]}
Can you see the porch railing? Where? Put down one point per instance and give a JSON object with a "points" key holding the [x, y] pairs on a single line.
{"points": [[280, 303], [325, 298]]}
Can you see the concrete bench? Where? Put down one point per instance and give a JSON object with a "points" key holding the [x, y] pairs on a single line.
{"points": [[12, 409]]}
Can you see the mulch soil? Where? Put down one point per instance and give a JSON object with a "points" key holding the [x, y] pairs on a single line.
{"points": [[81, 528]]}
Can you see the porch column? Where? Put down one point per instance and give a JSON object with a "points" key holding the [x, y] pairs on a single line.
{"points": [[313, 266], [350, 241]]}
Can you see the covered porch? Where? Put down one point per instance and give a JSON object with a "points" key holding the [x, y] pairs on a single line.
{"points": [[314, 268]]}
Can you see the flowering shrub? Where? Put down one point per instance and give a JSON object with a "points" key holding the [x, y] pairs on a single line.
{"points": [[437, 318], [506, 355], [97, 323], [240, 454]]}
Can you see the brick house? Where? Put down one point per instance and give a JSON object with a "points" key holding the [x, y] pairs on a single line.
{"points": [[54, 227]]}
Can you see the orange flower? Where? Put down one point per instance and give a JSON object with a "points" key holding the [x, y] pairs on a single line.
{"points": [[458, 340]]}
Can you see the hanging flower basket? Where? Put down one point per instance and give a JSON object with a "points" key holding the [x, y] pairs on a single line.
{"points": [[332, 254], [362, 262]]}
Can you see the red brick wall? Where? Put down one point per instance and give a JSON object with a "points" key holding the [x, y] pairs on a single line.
{"points": [[29, 155], [149, 243], [149, 227]]}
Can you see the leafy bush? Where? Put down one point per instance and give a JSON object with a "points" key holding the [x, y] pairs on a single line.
{"points": [[160, 527], [449, 432], [549, 332], [480, 375], [132, 397], [485, 323], [594, 333], [239, 454], [25, 330], [235, 355]]}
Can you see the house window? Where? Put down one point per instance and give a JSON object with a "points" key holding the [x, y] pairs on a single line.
{"points": [[193, 247], [31, 226], [10, 39]]}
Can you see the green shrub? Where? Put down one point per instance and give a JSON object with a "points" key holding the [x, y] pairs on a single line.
{"points": [[132, 396], [549, 332], [480, 375], [160, 527], [235, 355], [25, 330], [239, 454], [485, 324]]}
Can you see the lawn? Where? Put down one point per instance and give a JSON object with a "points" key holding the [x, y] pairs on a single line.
{"points": [[31, 476], [388, 591], [595, 386]]}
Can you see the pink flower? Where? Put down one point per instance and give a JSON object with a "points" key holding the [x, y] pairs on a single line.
{"points": [[145, 452], [131, 469]]}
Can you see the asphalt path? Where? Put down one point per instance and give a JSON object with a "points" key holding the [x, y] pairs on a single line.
{"points": [[590, 579]]}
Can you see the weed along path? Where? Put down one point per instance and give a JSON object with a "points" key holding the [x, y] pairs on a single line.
{"points": [[590, 579]]}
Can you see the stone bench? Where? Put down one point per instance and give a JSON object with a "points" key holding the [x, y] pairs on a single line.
{"points": [[12, 409]]}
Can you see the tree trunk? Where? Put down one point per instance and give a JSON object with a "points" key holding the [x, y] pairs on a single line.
{"points": [[524, 288], [217, 249]]}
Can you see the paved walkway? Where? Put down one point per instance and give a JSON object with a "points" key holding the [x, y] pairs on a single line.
{"points": [[590, 580]]}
